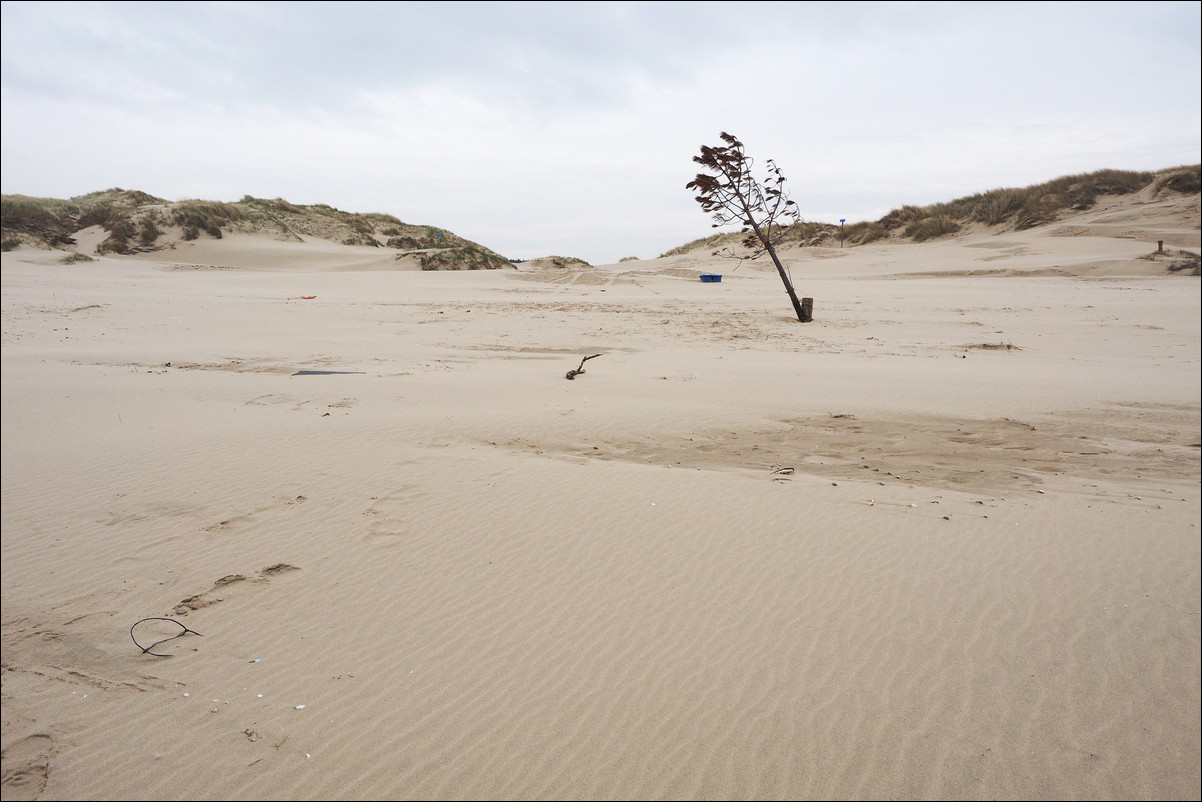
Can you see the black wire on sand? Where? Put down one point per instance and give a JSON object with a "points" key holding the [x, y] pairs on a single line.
{"points": [[146, 649]]}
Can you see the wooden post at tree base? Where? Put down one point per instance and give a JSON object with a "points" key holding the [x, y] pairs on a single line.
{"points": [[807, 310]]}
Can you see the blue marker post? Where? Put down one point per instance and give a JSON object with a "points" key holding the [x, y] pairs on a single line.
{"points": [[842, 220]]}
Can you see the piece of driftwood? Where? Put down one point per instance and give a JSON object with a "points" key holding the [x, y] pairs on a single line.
{"points": [[574, 373]]}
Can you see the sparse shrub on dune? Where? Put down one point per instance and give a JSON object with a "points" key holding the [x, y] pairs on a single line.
{"points": [[1175, 260], [995, 208], [149, 232], [561, 262], [117, 222], [121, 230], [419, 240], [711, 242], [863, 233], [804, 234], [378, 219], [903, 216], [1032, 206], [361, 229], [285, 206], [808, 234], [276, 205], [49, 220], [467, 257], [125, 199], [1109, 182], [207, 216], [104, 216], [1029, 217], [1186, 180], [931, 227]]}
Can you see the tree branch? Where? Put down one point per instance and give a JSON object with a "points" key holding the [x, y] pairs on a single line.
{"points": [[574, 373]]}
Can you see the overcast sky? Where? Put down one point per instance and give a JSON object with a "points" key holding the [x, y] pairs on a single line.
{"points": [[570, 128]]}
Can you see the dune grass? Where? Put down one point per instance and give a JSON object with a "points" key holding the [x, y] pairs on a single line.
{"points": [[1007, 208], [137, 221]]}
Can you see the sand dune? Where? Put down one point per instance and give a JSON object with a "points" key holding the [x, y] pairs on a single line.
{"points": [[423, 565]]}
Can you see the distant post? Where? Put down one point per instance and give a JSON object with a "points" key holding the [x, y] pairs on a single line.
{"points": [[1159, 245], [842, 220]]}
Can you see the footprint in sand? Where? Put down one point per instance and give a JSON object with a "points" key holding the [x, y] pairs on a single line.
{"points": [[228, 523], [211, 596], [27, 767], [388, 516]]}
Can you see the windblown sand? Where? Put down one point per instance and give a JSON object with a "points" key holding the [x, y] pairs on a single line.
{"points": [[941, 542]]}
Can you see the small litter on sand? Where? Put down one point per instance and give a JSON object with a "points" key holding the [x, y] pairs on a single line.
{"points": [[325, 372]]}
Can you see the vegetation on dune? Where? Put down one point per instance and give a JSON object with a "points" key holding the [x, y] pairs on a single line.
{"points": [[1007, 209], [1018, 209], [1177, 261], [136, 222], [45, 220], [464, 257], [195, 216], [560, 262], [926, 228], [1186, 180]]}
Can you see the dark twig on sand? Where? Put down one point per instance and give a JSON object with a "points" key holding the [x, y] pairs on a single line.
{"points": [[146, 649], [574, 373]]}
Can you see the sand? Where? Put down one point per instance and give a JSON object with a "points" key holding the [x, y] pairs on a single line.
{"points": [[941, 542]]}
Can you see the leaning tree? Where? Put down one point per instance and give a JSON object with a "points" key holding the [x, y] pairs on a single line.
{"points": [[731, 194]]}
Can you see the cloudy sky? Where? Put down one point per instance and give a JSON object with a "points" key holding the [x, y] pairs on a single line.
{"points": [[569, 128]]}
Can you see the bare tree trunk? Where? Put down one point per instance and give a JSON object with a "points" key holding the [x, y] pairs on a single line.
{"points": [[780, 269]]}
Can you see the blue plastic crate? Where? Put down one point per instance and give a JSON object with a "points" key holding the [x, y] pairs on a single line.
{"points": [[711, 277]]}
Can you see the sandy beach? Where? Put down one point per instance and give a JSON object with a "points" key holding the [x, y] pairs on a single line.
{"points": [[940, 543]]}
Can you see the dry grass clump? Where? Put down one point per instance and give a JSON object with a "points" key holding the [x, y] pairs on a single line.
{"points": [[415, 238], [863, 233], [194, 216], [45, 219], [713, 241], [1177, 261], [1186, 180], [466, 257], [931, 227]]}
